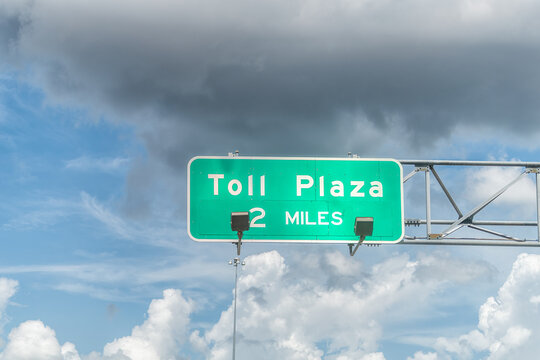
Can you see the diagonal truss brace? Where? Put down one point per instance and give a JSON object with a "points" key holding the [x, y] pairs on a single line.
{"points": [[496, 233], [446, 192], [467, 217]]}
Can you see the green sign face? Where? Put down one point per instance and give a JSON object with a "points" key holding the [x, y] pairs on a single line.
{"points": [[295, 199]]}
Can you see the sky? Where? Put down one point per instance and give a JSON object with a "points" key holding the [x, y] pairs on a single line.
{"points": [[102, 104]]}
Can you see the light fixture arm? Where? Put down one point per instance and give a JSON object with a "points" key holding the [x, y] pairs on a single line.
{"points": [[360, 241]]}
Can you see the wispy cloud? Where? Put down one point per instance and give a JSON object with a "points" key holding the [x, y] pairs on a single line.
{"points": [[117, 271], [8, 288], [85, 163], [157, 236], [127, 280], [96, 292], [41, 213], [99, 212]]}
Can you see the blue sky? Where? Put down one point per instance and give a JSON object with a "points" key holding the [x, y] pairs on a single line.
{"points": [[43, 221], [102, 105]]}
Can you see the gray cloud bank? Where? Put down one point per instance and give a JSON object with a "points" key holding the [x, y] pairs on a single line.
{"points": [[266, 73], [305, 77]]}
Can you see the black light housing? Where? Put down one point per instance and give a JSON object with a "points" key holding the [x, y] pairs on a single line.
{"points": [[363, 226], [240, 221]]}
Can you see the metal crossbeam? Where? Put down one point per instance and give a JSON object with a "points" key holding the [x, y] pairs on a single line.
{"points": [[467, 220], [421, 163], [417, 222], [470, 242]]}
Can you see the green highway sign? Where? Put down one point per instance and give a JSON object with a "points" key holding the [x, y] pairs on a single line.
{"points": [[295, 199]]}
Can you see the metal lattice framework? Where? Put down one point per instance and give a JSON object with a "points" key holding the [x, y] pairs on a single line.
{"points": [[467, 219]]}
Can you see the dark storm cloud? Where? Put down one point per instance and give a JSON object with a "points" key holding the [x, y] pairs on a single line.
{"points": [[10, 26], [286, 72], [279, 77]]}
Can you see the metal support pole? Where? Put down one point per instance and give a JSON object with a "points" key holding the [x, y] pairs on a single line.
{"points": [[538, 204], [235, 263], [235, 294], [428, 203]]}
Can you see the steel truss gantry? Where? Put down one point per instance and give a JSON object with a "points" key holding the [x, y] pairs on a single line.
{"points": [[467, 219]]}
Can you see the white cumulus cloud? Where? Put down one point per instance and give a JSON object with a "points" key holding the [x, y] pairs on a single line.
{"points": [[32, 340], [286, 314], [508, 323], [318, 306], [160, 336]]}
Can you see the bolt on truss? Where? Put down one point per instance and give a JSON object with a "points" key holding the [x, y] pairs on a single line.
{"points": [[466, 219]]}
